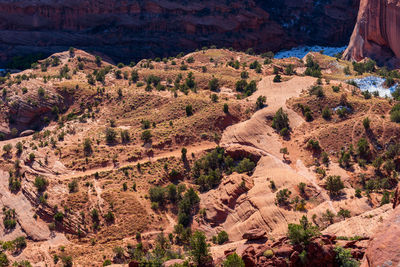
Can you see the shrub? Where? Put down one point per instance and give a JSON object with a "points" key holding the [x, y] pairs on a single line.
{"points": [[302, 233], [87, 147], [326, 113], [289, 70], [226, 108], [280, 120], [199, 249], [363, 148], [308, 116], [213, 84], [233, 260], [73, 186], [214, 98], [157, 194], [189, 110], [344, 257], [301, 187], [334, 185], [41, 183], [277, 78], [125, 137], [244, 75], [222, 237], [98, 61], [313, 145], [395, 113], [4, 260], [313, 68], [146, 136], [59, 216], [245, 165], [109, 217], [282, 196], [344, 213], [7, 148], [111, 135], [260, 103]]}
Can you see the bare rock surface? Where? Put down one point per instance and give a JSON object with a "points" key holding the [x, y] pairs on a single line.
{"points": [[35, 229]]}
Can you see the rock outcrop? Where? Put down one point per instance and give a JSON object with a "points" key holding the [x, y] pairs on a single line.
{"points": [[132, 29], [384, 248], [377, 32]]}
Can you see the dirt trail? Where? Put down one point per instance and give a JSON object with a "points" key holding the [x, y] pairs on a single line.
{"points": [[175, 153]]}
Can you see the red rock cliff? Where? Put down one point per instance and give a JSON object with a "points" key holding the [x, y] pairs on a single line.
{"points": [[129, 29], [377, 32]]}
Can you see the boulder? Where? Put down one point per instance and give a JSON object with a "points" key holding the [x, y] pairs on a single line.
{"points": [[254, 234], [26, 133]]}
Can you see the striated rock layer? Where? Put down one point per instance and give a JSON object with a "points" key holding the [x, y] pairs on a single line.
{"points": [[132, 29], [377, 32]]}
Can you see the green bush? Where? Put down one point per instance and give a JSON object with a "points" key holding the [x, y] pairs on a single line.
{"points": [[41, 183], [344, 257], [233, 260], [213, 84], [302, 233], [189, 110], [222, 237], [313, 69], [282, 196], [326, 113], [280, 120], [334, 185], [111, 135]]}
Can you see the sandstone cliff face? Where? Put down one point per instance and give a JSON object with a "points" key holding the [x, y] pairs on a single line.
{"points": [[377, 32], [384, 249], [133, 29]]}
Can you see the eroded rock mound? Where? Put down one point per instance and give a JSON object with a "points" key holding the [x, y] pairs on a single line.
{"points": [[376, 34]]}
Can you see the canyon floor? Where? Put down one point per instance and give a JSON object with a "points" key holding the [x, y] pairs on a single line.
{"points": [[106, 164]]}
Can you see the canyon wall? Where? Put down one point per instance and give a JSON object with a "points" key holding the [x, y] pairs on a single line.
{"points": [[133, 29], [377, 33]]}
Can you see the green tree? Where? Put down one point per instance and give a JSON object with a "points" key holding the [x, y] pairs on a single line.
{"points": [[111, 135], [146, 136], [344, 213], [222, 237], [260, 103], [41, 183], [280, 120], [4, 260], [213, 84], [344, 258], [302, 233], [189, 110], [233, 260], [199, 249], [87, 147], [363, 148], [226, 108], [334, 185]]}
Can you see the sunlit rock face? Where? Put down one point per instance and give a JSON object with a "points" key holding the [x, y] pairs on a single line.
{"points": [[132, 29], [377, 32]]}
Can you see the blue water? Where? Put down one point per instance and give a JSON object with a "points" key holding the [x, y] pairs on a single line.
{"points": [[373, 84], [301, 51]]}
